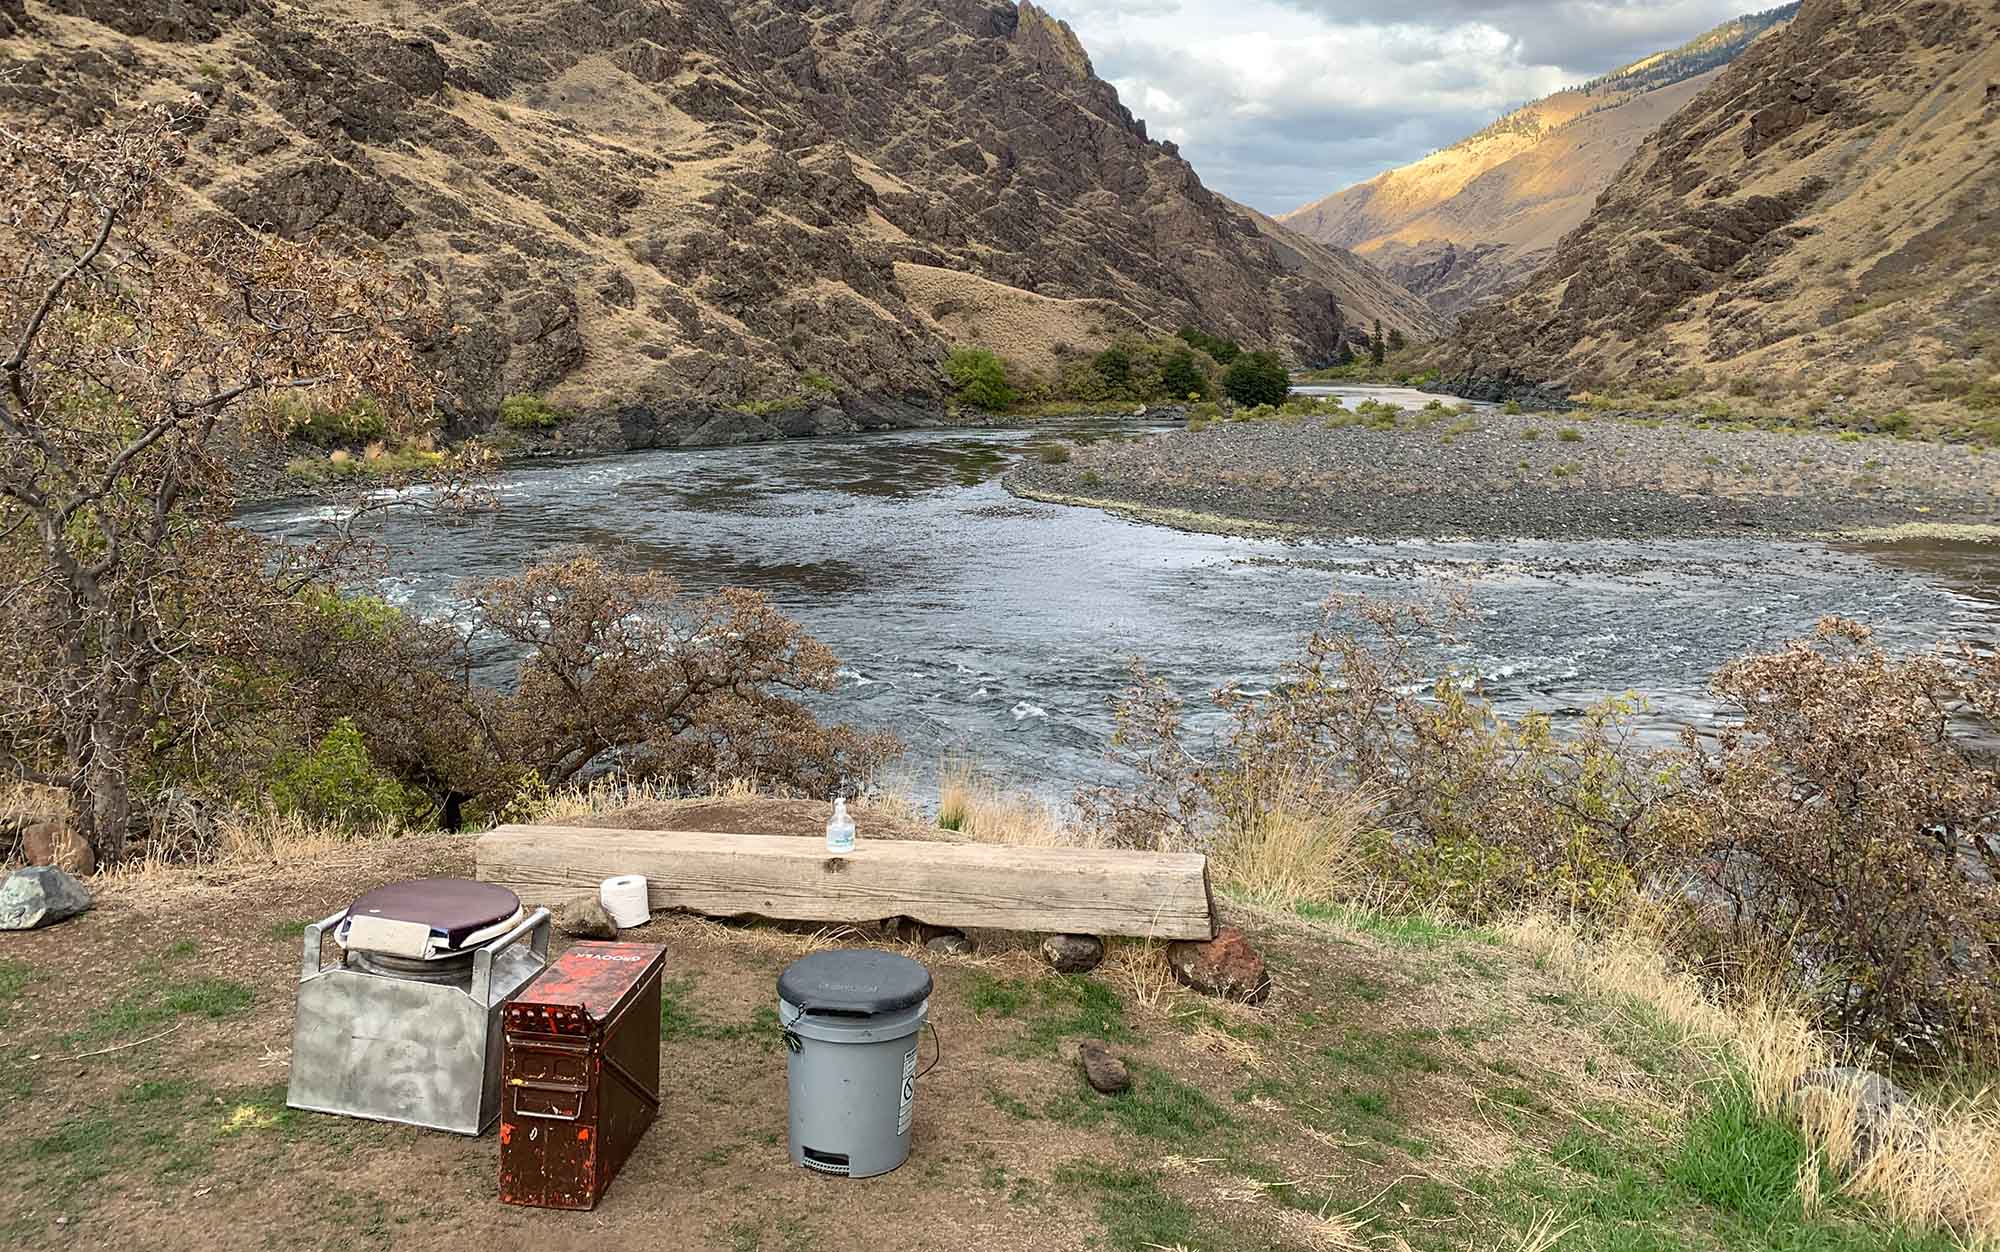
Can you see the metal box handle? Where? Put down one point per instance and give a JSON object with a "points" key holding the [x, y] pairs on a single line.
{"points": [[551, 1090], [536, 924], [311, 965]]}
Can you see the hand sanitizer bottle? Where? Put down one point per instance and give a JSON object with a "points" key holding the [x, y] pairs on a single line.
{"points": [[840, 831]]}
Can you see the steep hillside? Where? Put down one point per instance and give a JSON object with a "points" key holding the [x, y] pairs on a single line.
{"points": [[686, 216], [1822, 220], [1467, 223]]}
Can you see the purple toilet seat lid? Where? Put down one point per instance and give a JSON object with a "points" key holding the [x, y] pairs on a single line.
{"points": [[455, 908]]}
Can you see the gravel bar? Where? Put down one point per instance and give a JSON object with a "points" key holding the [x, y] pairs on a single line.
{"points": [[1534, 476]]}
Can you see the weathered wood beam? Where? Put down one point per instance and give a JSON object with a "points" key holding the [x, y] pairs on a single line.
{"points": [[1086, 891]]}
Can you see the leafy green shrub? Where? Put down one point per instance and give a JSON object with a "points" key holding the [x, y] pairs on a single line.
{"points": [[359, 422], [1054, 454], [1256, 378], [525, 412], [338, 782], [1532, 432], [813, 380], [1895, 423], [1512, 408], [980, 378], [1181, 378], [1221, 351], [1091, 478], [1114, 366], [1570, 434]]}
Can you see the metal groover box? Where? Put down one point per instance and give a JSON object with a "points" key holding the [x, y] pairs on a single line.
{"points": [[405, 1027], [581, 1074]]}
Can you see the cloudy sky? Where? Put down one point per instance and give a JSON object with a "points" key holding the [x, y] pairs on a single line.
{"points": [[1278, 102]]}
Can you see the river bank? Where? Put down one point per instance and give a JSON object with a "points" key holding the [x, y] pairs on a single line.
{"points": [[271, 472], [1489, 475]]}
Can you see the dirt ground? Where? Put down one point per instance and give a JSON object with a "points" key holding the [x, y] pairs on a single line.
{"points": [[144, 1051]]}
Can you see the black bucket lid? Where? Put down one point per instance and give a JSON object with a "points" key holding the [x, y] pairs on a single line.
{"points": [[854, 981]]}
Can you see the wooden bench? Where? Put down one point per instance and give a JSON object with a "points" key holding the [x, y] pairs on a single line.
{"points": [[1086, 891]]}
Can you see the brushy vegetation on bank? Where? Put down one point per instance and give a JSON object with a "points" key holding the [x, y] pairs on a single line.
{"points": [[1189, 368]]}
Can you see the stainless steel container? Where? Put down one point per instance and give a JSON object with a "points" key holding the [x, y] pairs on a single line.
{"points": [[418, 1044]]}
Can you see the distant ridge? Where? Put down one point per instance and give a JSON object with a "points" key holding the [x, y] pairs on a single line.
{"points": [[1815, 229], [1473, 219]]}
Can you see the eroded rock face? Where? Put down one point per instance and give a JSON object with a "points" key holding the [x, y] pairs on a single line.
{"points": [[679, 206]]}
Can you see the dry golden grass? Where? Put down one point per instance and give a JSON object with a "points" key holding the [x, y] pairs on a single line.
{"points": [[1946, 1177], [974, 807], [1316, 854], [1020, 325]]}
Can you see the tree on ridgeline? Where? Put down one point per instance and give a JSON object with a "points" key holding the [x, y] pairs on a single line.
{"points": [[1378, 348]]}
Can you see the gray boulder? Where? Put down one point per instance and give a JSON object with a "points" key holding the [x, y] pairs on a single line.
{"points": [[40, 895], [1073, 954], [585, 918], [1104, 1072]]}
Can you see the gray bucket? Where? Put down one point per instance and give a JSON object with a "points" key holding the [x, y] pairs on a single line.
{"points": [[851, 1020]]}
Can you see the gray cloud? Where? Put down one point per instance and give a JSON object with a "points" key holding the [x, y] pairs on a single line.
{"points": [[1279, 102]]}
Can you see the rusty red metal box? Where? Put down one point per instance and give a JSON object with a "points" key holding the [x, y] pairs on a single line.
{"points": [[580, 1079]]}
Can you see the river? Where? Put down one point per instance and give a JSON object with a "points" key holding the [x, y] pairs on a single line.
{"points": [[996, 630]]}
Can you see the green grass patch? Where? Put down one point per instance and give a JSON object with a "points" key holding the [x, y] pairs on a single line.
{"points": [[1414, 931], [1726, 1181], [1383, 1052], [1051, 1010], [163, 1001], [1159, 1106], [341, 467], [1137, 1215], [680, 1020], [14, 979]]}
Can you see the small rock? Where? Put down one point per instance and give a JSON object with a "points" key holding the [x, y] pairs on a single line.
{"points": [[40, 895], [1884, 1114], [951, 943], [54, 843], [1073, 954], [1103, 1071], [585, 918], [1225, 966]]}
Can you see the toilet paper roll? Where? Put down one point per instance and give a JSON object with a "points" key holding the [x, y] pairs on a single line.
{"points": [[624, 897]]}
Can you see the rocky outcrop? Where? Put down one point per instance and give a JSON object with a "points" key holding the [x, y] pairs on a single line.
{"points": [[1821, 211], [669, 215]]}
